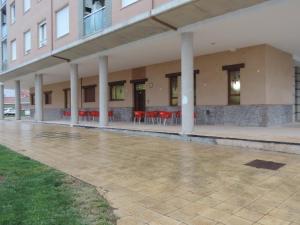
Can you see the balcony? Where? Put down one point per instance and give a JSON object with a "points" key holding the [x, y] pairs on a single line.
{"points": [[4, 65], [94, 22], [3, 31]]}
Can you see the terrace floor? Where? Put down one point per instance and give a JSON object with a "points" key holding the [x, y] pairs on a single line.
{"points": [[285, 133], [156, 181]]}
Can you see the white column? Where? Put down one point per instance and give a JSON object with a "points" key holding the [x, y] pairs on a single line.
{"points": [[74, 93], [103, 90], [187, 82], [38, 95], [18, 100], [1, 101]]}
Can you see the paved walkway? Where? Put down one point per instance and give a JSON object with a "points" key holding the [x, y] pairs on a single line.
{"points": [[286, 133], [157, 181]]}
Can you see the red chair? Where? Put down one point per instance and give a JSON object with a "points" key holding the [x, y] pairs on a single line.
{"points": [[165, 116], [111, 116], [178, 116], [83, 115], [66, 114], [151, 116], [138, 116], [94, 115]]}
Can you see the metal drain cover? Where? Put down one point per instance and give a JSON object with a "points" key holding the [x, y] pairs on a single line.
{"points": [[262, 164]]}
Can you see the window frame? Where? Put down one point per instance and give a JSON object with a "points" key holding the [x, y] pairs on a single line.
{"points": [[171, 76], [114, 84], [32, 99], [44, 42], [48, 97], [56, 22], [25, 10], [12, 52], [27, 51], [127, 4], [12, 17], [89, 99], [229, 69]]}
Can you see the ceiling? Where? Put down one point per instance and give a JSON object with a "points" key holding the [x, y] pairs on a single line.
{"points": [[274, 22]]}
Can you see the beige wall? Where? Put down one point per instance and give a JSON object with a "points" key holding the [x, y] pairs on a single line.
{"points": [[39, 11], [279, 77], [266, 79]]}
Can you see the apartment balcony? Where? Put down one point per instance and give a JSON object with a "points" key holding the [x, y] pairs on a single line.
{"points": [[4, 31], [94, 22], [4, 65]]}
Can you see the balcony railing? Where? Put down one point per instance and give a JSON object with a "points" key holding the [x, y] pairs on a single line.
{"points": [[94, 22], [4, 65], [3, 31]]}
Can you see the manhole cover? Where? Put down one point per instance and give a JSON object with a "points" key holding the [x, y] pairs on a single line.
{"points": [[59, 135], [262, 164]]}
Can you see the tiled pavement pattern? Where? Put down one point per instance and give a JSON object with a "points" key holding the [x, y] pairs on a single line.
{"points": [[157, 181]]}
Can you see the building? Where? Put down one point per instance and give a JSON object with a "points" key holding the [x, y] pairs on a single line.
{"points": [[216, 62], [10, 101]]}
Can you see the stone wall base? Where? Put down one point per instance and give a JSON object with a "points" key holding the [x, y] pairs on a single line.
{"points": [[247, 115], [242, 115]]}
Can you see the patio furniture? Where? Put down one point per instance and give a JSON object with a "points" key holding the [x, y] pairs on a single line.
{"points": [[138, 116], [165, 116], [151, 116], [111, 116], [66, 114], [94, 115], [83, 115], [177, 116]]}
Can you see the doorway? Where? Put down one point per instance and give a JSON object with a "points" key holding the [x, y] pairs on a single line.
{"points": [[139, 95]]}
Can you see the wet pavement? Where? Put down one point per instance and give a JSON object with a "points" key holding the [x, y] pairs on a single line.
{"points": [[157, 181]]}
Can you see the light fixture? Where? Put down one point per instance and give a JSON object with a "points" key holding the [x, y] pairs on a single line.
{"points": [[236, 85]]}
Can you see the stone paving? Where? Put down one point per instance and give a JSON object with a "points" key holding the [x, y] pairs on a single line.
{"points": [[156, 181]]}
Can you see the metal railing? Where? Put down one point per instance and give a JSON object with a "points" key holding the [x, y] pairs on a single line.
{"points": [[4, 31], [4, 65], [94, 22]]}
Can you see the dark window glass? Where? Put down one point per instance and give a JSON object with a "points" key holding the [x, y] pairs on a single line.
{"points": [[90, 94], [32, 99], [117, 92], [174, 92], [48, 98], [234, 86]]}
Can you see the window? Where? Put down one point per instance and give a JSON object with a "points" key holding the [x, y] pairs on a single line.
{"points": [[13, 12], [26, 5], [117, 90], [175, 83], [48, 97], [32, 99], [62, 22], [91, 6], [174, 92], [13, 50], [128, 2], [42, 34], [234, 83], [66, 97], [27, 42], [89, 93]]}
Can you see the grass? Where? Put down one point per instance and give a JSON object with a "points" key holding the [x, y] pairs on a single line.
{"points": [[34, 194]]}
